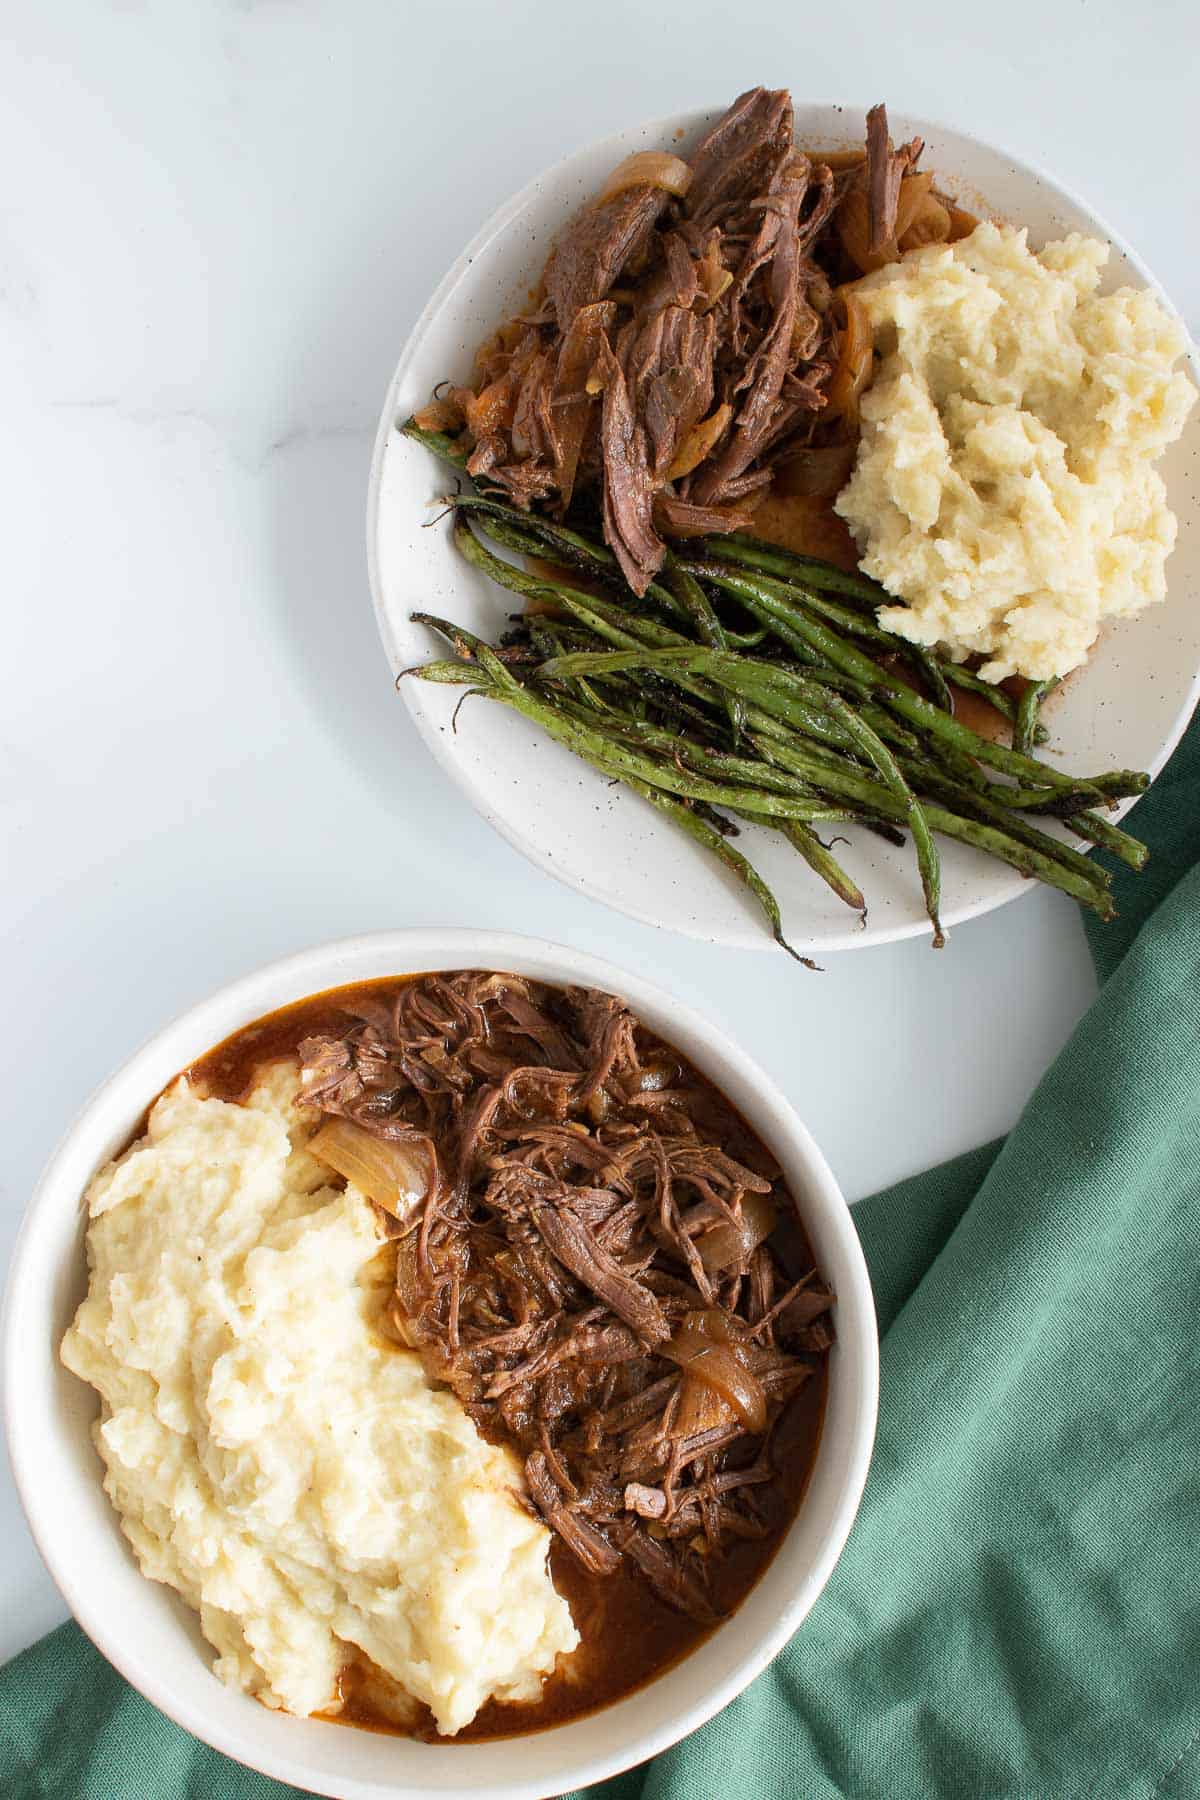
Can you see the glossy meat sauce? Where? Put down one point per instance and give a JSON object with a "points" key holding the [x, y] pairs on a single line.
{"points": [[628, 1634]]}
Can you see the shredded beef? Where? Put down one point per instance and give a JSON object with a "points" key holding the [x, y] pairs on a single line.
{"points": [[684, 346], [886, 169], [555, 1276], [596, 246]]}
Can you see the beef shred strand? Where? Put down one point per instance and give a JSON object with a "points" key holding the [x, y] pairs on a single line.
{"points": [[556, 1278], [680, 346]]}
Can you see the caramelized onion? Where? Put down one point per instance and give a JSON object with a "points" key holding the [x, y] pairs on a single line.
{"points": [[854, 227], [930, 224], [962, 222], [648, 168], [656, 1074], [718, 1366], [497, 348], [410, 1296], [914, 192], [698, 442], [701, 1408], [491, 408], [856, 357], [394, 1175], [713, 282], [439, 415], [728, 1243]]}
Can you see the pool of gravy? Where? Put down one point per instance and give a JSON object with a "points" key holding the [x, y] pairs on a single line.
{"points": [[628, 1636]]}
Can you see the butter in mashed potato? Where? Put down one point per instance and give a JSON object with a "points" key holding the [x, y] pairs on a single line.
{"points": [[1004, 487], [273, 1458]]}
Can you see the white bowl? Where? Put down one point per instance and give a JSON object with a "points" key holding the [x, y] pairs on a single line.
{"points": [[1127, 709], [153, 1638]]}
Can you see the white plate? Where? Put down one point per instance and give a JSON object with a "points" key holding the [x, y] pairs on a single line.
{"points": [[1127, 709]]}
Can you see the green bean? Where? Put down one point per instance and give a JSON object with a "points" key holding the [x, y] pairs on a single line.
{"points": [[672, 661], [928, 861], [782, 600], [700, 809], [929, 670], [976, 805], [822, 861], [811, 572], [575, 545], [531, 534], [592, 741], [1111, 838], [753, 553], [806, 573], [497, 522], [774, 690], [439, 443], [519, 581], [776, 620], [1027, 713], [733, 860], [723, 765], [700, 730], [1089, 888], [931, 719], [1024, 858], [451, 671], [900, 804], [707, 626], [990, 796], [616, 625], [843, 784], [970, 683], [720, 762], [592, 747], [1063, 799]]}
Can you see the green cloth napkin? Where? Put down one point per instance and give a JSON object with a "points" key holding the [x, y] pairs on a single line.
{"points": [[1017, 1612]]}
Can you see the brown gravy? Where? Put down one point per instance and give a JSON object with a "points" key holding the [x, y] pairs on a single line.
{"points": [[629, 1636]]}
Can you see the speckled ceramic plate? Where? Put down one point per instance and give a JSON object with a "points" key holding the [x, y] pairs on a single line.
{"points": [[1127, 709]]}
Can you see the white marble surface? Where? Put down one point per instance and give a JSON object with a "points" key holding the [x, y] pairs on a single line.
{"points": [[218, 223]]}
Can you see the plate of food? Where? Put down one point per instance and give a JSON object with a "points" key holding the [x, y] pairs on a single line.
{"points": [[448, 1335], [771, 521]]}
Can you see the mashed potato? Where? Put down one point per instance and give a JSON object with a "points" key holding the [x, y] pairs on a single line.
{"points": [[1004, 486], [289, 1472]]}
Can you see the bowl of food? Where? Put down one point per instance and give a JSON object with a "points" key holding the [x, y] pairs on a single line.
{"points": [[812, 488], [471, 1346]]}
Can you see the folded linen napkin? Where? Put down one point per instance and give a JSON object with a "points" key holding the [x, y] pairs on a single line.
{"points": [[1017, 1612]]}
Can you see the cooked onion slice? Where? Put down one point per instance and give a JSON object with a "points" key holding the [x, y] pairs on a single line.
{"points": [[706, 1348], [698, 442], [930, 224], [856, 358], [647, 168], [394, 1175], [728, 1243], [854, 222], [962, 222], [439, 415]]}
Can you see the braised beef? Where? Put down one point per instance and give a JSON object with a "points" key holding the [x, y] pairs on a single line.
{"points": [[684, 346], [886, 169], [596, 246], [555, 1277]]}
